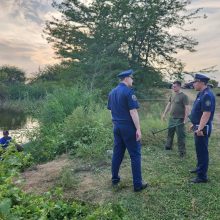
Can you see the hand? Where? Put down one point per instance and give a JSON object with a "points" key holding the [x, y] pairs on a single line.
{"points": [[185, 120], [138, 135], [199, 133], [191, 128], [163, 117]]}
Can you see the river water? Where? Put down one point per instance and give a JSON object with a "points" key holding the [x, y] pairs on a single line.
{"points": [[19, 124]]}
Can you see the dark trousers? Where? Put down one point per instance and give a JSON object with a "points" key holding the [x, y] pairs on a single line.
{"points": [[125, 138], [181, 135], [202, 153]]}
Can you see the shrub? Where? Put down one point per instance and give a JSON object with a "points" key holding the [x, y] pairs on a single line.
{"points": [[45, 143], [52, 111], [88, 131]]}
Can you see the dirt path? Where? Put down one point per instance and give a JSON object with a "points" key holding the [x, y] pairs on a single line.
{"points": [[42, 177], [79, 179]]}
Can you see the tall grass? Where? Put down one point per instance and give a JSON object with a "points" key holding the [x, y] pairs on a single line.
{"points": [[71, 120]]}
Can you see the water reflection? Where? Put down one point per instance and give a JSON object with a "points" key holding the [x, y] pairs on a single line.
{"points": [[19, 125], [10, 119]]}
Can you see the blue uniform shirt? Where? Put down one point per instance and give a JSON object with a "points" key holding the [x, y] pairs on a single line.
{"points": [[205, 102], [5, 141], [122, 99]]}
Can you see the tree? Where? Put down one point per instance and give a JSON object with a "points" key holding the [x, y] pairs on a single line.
{"points": [[107, 35], [11, 74], [214, 83]]}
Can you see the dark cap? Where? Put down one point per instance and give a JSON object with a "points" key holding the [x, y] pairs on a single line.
{"points": [[125, 73], [201, 78]]}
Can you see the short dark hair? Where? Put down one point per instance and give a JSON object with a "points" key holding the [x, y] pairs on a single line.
{"points": [[177, 82], [5, 132]]}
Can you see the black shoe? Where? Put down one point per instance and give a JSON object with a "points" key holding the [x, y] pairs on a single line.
{"points": [[199, 180], [115, 183], [193, 170], [144, 186], [168, 148]]}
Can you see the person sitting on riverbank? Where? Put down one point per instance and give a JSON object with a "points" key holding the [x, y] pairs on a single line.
{"points": [[5, 140]]}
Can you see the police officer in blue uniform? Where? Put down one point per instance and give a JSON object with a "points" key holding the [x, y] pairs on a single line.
{"points": [[201, 117], [126, 128]]}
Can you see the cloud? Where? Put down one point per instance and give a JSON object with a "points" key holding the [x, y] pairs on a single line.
{"points": [[21, 42], [207, 33], [22, 22], [206, 5], [31, 10]]}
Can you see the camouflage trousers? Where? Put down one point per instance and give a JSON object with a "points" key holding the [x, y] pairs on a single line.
{"points": [[181, 135]]}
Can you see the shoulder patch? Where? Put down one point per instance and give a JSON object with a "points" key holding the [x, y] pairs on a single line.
{"points": [[134, 98], [208, 103]]}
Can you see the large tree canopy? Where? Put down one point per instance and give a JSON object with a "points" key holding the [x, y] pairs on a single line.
{"points": [[115, 34]]}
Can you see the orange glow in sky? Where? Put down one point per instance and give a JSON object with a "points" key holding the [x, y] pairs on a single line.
{"points": [[22, 44]]}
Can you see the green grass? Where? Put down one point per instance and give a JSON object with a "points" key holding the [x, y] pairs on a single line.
{"points": [[170, 194]]}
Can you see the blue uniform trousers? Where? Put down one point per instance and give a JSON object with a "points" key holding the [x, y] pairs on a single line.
{"points": [[125, 138], [201, 143]]}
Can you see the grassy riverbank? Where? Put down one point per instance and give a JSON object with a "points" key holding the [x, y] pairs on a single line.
{"points": [[85, 136]]}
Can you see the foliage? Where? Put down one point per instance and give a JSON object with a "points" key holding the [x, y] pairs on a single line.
{"points": [[214, 83], [63, 101], [32, 91], [88, 131], [15, 204], [14, 160], [11, 74], [44, 143], [49, 73], [3, 92], [106, 36], [52, 111], [66, 73], [55, 136]]}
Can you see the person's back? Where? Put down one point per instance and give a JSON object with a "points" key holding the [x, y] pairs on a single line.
{"points": [[127, 133], [119, 104]]}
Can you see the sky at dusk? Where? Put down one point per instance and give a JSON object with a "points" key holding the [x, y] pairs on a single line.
{"points": [[22, 43]]}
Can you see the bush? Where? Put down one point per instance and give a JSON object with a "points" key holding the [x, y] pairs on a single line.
{"points": [[70, 98], [52, 111], [13, 159], [45, 143], [4, 93], [88, 131], [62, 102], [54, 137]]}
